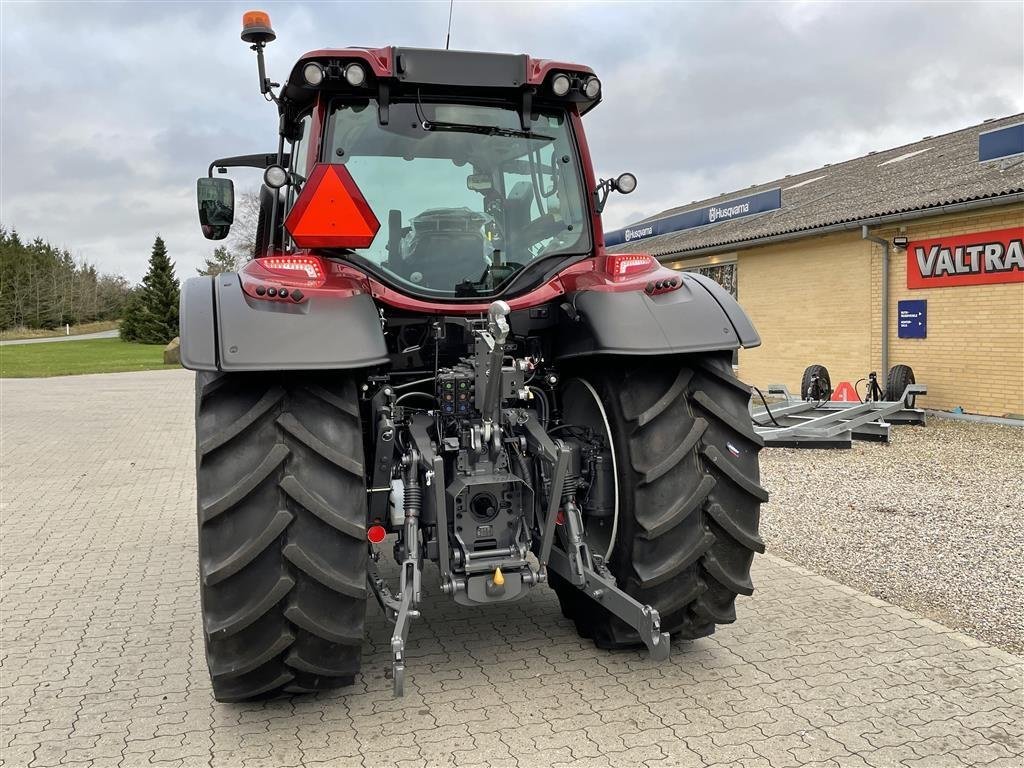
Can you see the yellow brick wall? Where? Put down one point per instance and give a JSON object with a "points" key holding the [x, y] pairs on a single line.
{"points": [[816, 300], [974, 354], [810, 299]]}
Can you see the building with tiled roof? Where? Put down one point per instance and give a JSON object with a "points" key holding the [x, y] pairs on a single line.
{"points": [[911, 255]]}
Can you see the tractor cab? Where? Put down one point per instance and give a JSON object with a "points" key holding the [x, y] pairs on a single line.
{"points": [[455, 174]]}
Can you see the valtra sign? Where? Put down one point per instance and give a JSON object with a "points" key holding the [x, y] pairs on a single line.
{"points": [[981, 258]]}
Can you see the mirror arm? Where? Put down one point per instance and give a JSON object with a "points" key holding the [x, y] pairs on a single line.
{"points": [[604, 188], [526, 110], [383, 102], [261, 161], [277, 198]]}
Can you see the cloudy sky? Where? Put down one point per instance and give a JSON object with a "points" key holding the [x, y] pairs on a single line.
{"points": [[110, 111]]}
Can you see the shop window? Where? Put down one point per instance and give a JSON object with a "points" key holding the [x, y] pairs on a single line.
{"points": [[725, 276]]}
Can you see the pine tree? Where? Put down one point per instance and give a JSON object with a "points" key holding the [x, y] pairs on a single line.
{"points": [[151, 317], [131, 322], [221, 261]]}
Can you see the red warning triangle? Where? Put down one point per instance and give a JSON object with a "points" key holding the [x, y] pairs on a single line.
{"points": [[331, 212], [845, 393]]}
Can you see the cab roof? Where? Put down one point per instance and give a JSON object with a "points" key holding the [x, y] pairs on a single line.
{"points": [[431, 70]]}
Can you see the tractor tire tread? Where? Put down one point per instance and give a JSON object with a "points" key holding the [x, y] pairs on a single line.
{"points": [[282, 531], [689, 507], [246, 484]]}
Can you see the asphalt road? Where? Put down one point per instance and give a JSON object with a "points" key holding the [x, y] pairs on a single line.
{"points": [[102, 660], [50, 339]]}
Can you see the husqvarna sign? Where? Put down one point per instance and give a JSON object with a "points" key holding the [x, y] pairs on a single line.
{"points": [[769, 200]]}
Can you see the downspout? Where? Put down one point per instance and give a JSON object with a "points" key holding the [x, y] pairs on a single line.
{"points": [[884, 373]]}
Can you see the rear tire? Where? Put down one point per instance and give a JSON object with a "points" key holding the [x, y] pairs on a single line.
{"points": [[816, 383], [900, 377], [282, 531], [689, 495]]}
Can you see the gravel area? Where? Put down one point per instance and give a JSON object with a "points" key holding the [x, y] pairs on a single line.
{"points": [[933, 522]]}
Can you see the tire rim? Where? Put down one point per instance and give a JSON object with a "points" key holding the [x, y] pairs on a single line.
{"points": [[600, 536]]}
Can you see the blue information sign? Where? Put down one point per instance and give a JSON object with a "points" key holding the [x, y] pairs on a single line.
{"points": [[769, 200], [913, 319]]}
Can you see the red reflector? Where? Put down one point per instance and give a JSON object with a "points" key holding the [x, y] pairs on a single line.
{"points": [[306, 271], [331, 212], [375, 534], [624, 264]]}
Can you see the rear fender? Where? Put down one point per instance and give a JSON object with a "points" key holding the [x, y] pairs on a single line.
{"points": [[698, 316], [224, 329]]}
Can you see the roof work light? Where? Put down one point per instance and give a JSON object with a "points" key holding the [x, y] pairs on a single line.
{"points": [[355, 74], [560, 84], [313, 74]]}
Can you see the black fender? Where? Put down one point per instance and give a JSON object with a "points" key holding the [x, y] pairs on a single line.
{"points": [[223, 329], [698, 316]]}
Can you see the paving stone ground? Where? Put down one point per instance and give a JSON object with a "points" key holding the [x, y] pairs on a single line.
{"points": [[102, 660]]}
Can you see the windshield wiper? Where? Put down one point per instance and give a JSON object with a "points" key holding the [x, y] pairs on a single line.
{"points": [[486, 130]]}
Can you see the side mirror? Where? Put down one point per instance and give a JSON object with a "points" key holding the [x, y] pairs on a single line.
{"points": [[623, 184], [216, 199]]}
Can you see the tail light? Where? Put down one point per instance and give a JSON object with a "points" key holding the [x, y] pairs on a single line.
{"points": [[302, 271], [629, 264]]}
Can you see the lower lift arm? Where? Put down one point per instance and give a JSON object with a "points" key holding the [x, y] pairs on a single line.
{"points": [[574, 562]]}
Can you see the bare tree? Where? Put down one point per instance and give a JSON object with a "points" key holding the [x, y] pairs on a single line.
{"points": [[243, 231], [221, 261]]}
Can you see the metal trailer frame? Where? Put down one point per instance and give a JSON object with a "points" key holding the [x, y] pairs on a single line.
{"points": [[831, 423]]}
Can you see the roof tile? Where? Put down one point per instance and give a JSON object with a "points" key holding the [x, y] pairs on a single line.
{"points": [[935, 171]]}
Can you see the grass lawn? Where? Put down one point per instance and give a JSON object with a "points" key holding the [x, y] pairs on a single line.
{"points": [[69, 357], [38, 333]]}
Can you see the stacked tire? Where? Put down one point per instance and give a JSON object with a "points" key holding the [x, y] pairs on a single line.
{"points": [[816, 384]]}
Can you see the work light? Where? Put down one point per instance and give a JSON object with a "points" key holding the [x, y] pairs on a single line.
{"points": [[275, 177], [591, 87], [560, 85], [313, 73], [355, 74], [625, 183]]}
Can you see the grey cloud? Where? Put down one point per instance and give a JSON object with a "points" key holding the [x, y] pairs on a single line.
{"points": [[112, 110]]}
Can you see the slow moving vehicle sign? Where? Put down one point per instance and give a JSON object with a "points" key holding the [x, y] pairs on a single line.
{"points": [[331, 212], [981, 258]]}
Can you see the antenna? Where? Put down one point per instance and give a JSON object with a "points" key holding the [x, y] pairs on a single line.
{"points": [[448, 38]]}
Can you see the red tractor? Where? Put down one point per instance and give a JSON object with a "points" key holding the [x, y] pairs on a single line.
{"points": [[432, 343]]}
